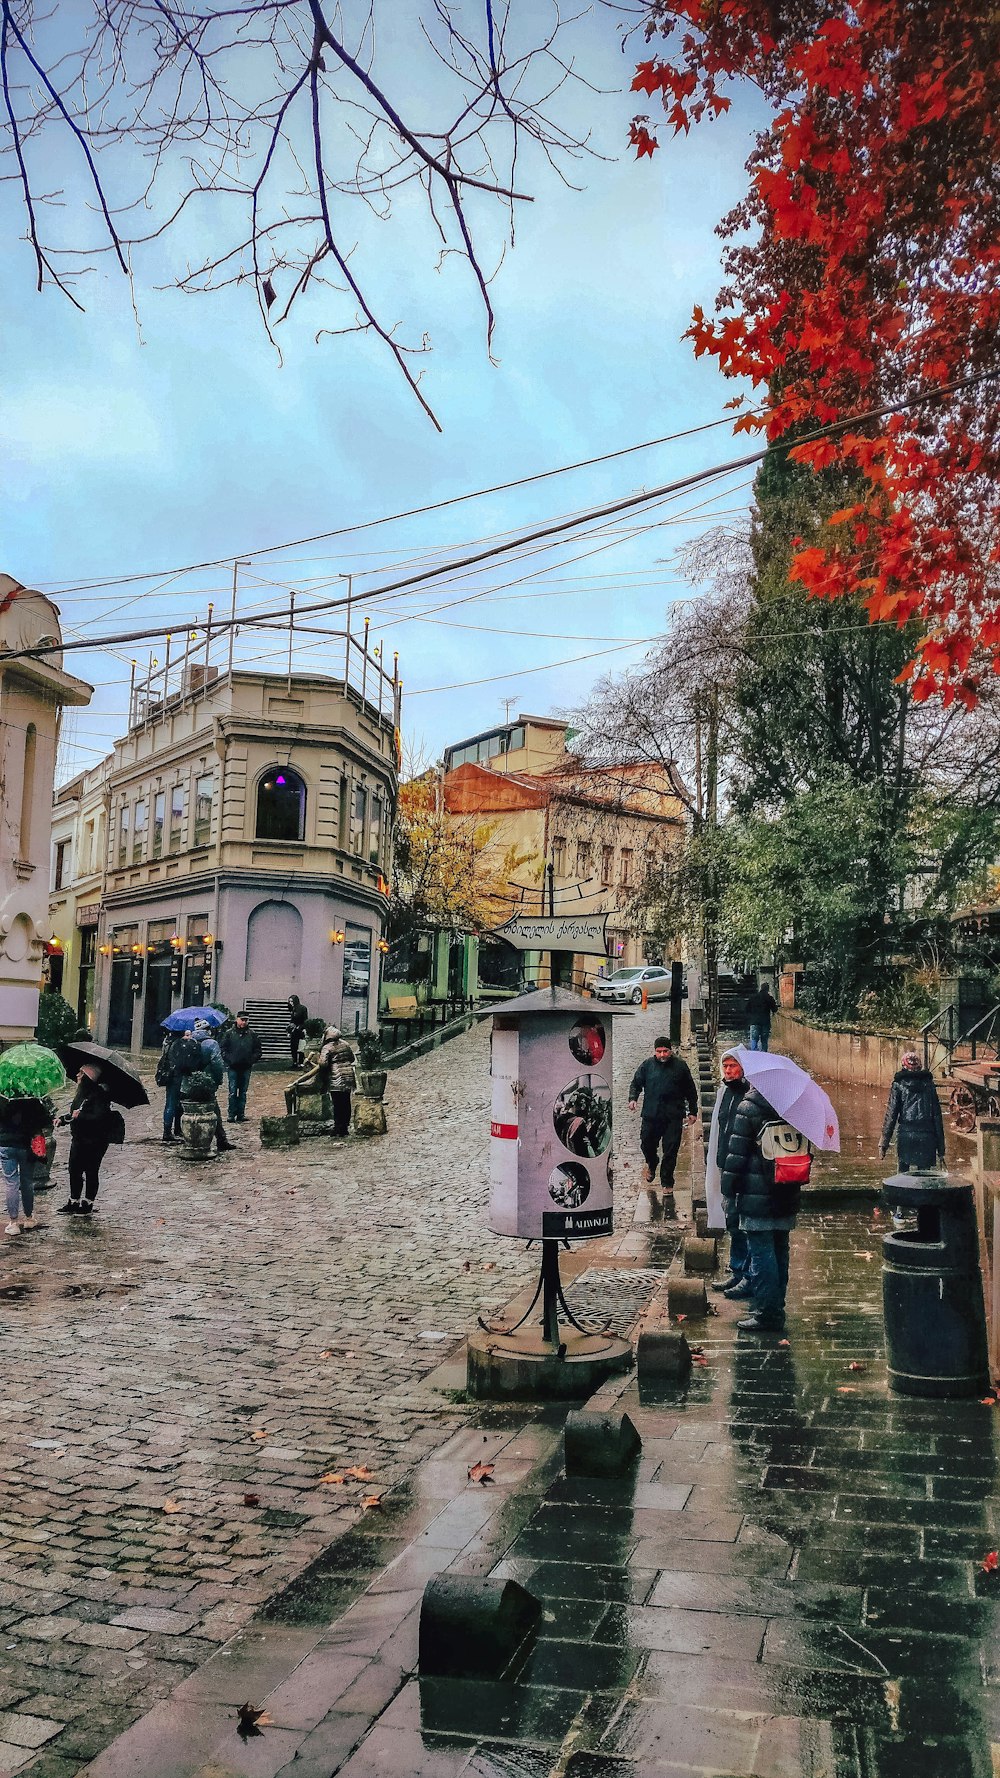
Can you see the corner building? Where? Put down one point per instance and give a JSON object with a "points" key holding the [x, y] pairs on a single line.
{"points": [[248, 833]]}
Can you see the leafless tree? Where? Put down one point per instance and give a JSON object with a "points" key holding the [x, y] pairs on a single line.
{"points": [[266, 136]]}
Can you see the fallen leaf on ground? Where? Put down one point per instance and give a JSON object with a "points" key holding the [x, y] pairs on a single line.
{"points": [[371, 1501], [846, 1389], [698, 1358], [988, 1401], [260, 1433], [855, 1365], [783, 1342], [359, 1472], [251, 1500], [990, 1562], [490, 1266], [171, 1506], [327, 1354], [467, 1266], [250, 1720], [337, 1480], [481, 1472]]}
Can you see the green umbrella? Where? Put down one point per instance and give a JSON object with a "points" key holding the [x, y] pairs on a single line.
{"points": [[29, 1071]]}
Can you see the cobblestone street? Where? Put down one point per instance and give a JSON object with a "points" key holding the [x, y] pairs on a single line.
{"points": [[182, 1371]]}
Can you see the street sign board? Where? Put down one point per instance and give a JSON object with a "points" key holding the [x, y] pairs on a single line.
{"points": [[583, 933]]}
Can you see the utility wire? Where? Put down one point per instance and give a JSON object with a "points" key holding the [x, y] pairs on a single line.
{"points": [[628, 504]]}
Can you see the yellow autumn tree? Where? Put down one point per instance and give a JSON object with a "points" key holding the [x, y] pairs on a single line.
{"points": [[448, 870]]}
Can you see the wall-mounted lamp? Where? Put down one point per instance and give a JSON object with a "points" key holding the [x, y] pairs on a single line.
{"points": [[177, 941], [208, 941], [337, 938], [105, 950], [137, 950], [383, 946]]}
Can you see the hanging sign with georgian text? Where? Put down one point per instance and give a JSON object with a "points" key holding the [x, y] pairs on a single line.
{"points": [[584, 933]]}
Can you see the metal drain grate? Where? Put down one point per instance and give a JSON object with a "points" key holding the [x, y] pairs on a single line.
{"points": [[611, 1296]]}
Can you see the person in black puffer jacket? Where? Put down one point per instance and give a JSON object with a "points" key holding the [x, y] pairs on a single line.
{"points": [[767, 1210], [914, 1115], [94, 1124]]}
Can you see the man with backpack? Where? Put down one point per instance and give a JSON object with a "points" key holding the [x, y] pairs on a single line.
{"points": [[241, 1051]]}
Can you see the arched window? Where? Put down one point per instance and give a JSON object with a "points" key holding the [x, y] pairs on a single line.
{"points": [[27, 791], [281, 805]]}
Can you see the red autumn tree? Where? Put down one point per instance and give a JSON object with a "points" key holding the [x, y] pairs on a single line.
{"points": [[863, 272]]}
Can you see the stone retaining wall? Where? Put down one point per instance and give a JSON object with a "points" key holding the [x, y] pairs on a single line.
{"points": [[866, 1060]]}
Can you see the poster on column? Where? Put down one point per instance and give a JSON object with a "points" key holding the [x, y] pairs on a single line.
{"points": [[564, 1127], [504, 1130]]}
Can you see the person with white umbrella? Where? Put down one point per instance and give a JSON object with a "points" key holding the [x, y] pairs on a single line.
{"points": [[782, 1117]]}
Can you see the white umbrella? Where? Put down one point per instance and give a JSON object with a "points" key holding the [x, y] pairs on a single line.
{"points": [[796, 1097]]}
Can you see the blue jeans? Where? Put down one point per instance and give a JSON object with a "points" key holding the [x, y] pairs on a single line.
{"points": [[239, 1080], [759, 1036], [17, 1164], [172, 1109], [739, 1246], [769, 1273]]}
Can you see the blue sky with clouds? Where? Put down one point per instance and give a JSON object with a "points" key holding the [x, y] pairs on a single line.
{"points": [[136, 444]]}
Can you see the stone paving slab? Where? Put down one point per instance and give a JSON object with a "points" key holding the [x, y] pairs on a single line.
{"points": [[735, 1627], [183, 1370]]}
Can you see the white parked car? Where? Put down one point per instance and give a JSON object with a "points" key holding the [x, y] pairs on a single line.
{"points": [[628, 984]]}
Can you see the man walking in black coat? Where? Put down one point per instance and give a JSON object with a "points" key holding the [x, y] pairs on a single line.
{"points": [[241, 1051], [760, 1005], [667, 1087]]}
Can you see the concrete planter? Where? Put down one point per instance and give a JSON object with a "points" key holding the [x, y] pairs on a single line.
{"points": [[197, 1129], [372, 1085]]}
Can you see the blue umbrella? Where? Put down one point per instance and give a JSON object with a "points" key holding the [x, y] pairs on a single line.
{"points": [[185, 1017]]}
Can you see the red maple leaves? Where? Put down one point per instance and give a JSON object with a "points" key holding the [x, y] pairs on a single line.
{"points": [[867, 275]]}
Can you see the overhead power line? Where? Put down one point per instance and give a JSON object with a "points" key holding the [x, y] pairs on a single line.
{"points": [[595, 514]]}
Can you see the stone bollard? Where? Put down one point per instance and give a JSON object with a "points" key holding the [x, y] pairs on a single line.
{"points": [[279, 1132], [472, 1627], [369, 1117], [700, 1255], [703, 1228], [599, 1444], [687, 1297], [662, 1353]]}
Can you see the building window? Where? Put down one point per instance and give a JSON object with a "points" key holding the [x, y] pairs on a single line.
{"points": [[559, 856], [359, 811], [159, 812], [342, 814], [626, 876], [583, 859], [281, 806], [203, 794], [139, 830], [27, 790], [176, 817], [59, 865], [89, 854], [375, 830], [123, 824], [607, 866]]}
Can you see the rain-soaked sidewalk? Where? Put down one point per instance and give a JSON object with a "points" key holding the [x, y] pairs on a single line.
{"points": [[788, 1586]]}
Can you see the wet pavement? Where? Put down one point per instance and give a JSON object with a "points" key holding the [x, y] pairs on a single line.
{"points": [[789, 1583]]}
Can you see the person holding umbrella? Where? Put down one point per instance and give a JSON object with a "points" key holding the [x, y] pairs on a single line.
{"points": [[105, 1081], [783, 1115], [28, 1071]]}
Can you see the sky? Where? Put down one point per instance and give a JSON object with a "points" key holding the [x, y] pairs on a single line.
{"points": [[143, 435]]}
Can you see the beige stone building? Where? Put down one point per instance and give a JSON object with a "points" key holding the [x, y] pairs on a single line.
{"points": [[589, 835], [240, 851], [76, 884], [33, 693]]}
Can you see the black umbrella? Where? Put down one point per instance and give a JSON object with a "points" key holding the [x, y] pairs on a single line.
{"points": [[117, 1076]]}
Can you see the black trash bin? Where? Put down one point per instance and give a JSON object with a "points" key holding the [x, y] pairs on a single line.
{"points": [[932, 1290]]}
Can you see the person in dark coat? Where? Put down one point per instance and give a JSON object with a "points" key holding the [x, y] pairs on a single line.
{"points": [[176, 1060], [734, 1086], [667, 1088], [760, 1005], [22, 1121], [767, 1211], [94, 1124], [296, 1027], [913, 1114], [241, 1051]]}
